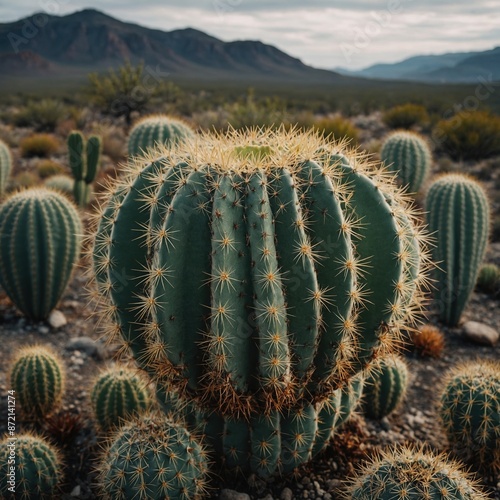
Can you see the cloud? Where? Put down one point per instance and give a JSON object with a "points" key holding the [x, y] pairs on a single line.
{"points": [[319, 32]]}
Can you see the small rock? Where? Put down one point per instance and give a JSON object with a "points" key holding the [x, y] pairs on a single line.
{"points": [[57, 319], [43, 329], [76, 491], [267, 497], [286, 494], [87, 345], [227, 494], [385, 424], [305, 480], [332, 484], [480, 333]]}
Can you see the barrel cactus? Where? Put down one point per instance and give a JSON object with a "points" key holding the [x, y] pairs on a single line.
{"points": [[488, 278], [408, 155], [157, 130], [458, 214], [40, 233], [37, 466], [62, 183], [273, 266], [408, 473], [117, 394], [37, 376], [385, 387], [152, 458], [470, 412], [84, 164], [5, 165]]}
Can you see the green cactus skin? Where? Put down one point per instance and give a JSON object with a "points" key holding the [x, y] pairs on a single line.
{"points": [[37, 467], [408, 473], [5, 165], [84, 164], [37, 376], [229, 252], [470, 413], [40, 239], [407, 155], [458, 215], [385, 387], [61, 183], [118, 394], [152, 458], [488, 278], [157, 130]]}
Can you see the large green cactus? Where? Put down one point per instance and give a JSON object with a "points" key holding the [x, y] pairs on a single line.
{"points": [[37, 376], [408, 155], [470, 412], [458, 215], [5, 165], [157, 130], [37, 468], [84, 163], [117, 394], [385, 387], [272, 267], [40, 239], [408, 473], [152, 458]]}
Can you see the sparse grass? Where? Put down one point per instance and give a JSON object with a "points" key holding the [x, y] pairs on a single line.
{"points": [[24, 180], [406, 116], [428, 341], [48, 168], [43, 115], [338, 127], [42, 145]]}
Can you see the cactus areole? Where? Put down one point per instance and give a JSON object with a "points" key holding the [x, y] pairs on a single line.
{"points": [[257, 272]]}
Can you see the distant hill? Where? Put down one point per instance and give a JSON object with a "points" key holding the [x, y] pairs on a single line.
{"points": [[90, 40], [460, 67]]}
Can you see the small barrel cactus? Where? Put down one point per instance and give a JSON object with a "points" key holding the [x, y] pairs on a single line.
{"points": [[5, 165], [408, 473], [408, 155], [31, 468], [157, 130], [488, 278], [37, 376], [458, 215], [385, 387], [62, 183], [470, 412], [152, 458], [40, 239], [84, 164], [255, 299], [117, 394]]}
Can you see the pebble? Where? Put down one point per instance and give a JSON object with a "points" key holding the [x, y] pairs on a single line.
{"points": [[76, 491], [57, 319], [87, 345], [227, 494], [286, 494], [43, 329], [480, 333]]}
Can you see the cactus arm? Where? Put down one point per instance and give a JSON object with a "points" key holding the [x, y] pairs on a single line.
{"points": [[76, 158], [236, 444], [265, 442], [93, 152], [327, 415]]}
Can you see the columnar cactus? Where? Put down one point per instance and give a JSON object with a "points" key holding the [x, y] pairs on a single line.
{"points": [[277, 266], [408, 473], [37, 376], [5, 165], [458, 216], [408, 155], [62, 183], [117, 394], [470, 412], [385, 387], [84, 163], [152, 458], [40, 233], [157, 130], [37, 467]]}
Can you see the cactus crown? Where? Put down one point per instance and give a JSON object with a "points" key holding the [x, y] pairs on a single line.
{"points": [[37, 376], [38, 468], [470, 412], [411, 473]]}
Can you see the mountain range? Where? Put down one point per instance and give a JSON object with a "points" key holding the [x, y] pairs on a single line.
{"points": [[459, 67]]}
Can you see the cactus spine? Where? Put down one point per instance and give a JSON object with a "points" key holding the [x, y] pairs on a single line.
{"points": [[37, 376], [458, 215], [408, 155], [40, 242], [385, 387], [157, 130], [470, 412], [408, 473], [253, 305], [117, 394], [152, 458], [37, 468], [84, 163], [5, 165]]}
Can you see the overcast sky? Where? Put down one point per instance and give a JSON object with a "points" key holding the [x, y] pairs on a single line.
{"points": [[322, 33]]}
